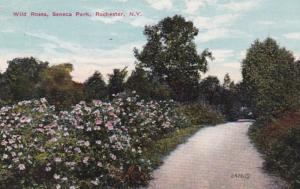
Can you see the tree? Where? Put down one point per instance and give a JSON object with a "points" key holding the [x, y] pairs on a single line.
{"points": [[95, 87], [116, 81], [170, 55], [269, 77], [230, 99], [139, 81], [57, 86], [21, 79], [227, 83], [211, 90]]}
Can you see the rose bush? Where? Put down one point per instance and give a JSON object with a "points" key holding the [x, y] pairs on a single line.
{"points": [[89, 146]]}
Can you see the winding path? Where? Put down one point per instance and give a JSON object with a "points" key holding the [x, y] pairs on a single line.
{"points": [[219, 157]]}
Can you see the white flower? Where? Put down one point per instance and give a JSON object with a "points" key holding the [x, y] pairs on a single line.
{"points": [[64, 179], [95, 182], [58, 186], [85, 160], [48, 169], [21, 167], [86, 143], [5, 156], [98, 141], [72, 187], [57, 159], [99, 164], [56, 176]]}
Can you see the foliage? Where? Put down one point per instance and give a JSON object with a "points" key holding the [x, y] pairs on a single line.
{"points": [[95, 87], [270, 77], [198, 114], [225, 98], [57, 86], [140, 82], [147, 88], [116, 81], [27, 78], [157, 150], [21, 79], [90, 146], [279, 139], [211, 90], [171, 57]]}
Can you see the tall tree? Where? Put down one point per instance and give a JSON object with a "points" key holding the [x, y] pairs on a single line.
{"points": [[211, 90], [140, 82], [116, 81], [269, 78], [170, 55], [57, 86], [22, 77], [95, 87], [227, 83]]}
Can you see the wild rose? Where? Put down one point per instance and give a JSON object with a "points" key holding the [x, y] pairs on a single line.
{"points": [[21, 167]]}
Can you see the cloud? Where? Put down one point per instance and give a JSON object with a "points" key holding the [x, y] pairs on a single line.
{"points": [[223, 63], [218, 21], [221, 69], [107, 20], [160, 4], [241, 6], [142, 21], [213, 35], [295, 35], [193, 5], [222, 55], [85, 60]]}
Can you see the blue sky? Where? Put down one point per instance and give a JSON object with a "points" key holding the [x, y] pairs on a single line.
{"points": [[227, 28]]}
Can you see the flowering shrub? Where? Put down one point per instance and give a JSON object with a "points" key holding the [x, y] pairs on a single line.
{"points": [[89, 146]]}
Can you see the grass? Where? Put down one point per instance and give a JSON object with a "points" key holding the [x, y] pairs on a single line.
{"points": [[161, 148]]}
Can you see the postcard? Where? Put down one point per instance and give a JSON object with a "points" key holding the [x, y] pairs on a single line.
{"points": [[156, 94]]}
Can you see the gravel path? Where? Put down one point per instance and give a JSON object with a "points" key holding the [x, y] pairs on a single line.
{"points": [[219, 157]]}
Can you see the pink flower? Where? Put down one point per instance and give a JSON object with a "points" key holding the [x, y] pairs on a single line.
{"points": [[98, 121], [109, 125], [25, 119]]}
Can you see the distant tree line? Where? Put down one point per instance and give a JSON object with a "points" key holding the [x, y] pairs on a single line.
{"points": [[168, 66]]}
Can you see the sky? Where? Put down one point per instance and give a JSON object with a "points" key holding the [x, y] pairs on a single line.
{"points": [[226, 27]]}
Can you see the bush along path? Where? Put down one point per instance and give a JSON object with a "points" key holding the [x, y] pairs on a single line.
{"points": [[92, 145], [215, 157]]}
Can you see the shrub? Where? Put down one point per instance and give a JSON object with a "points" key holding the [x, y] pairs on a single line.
{"points": [[279, 140], [91, 146], [201, 114]]}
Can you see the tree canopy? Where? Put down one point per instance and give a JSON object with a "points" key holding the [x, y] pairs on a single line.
{"points": [[95, 87], [170, 55], [269, 76]]}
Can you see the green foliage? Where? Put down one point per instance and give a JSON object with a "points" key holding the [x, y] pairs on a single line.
{"points": [[57, 86], [211, 90], [95, 87], [270, 77], [224, 98], [279, 140], [199, 114], [27, 78], [116, 81], [283, 157], [160, 148], [171, 57], [21, 79], [140, 82]]}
